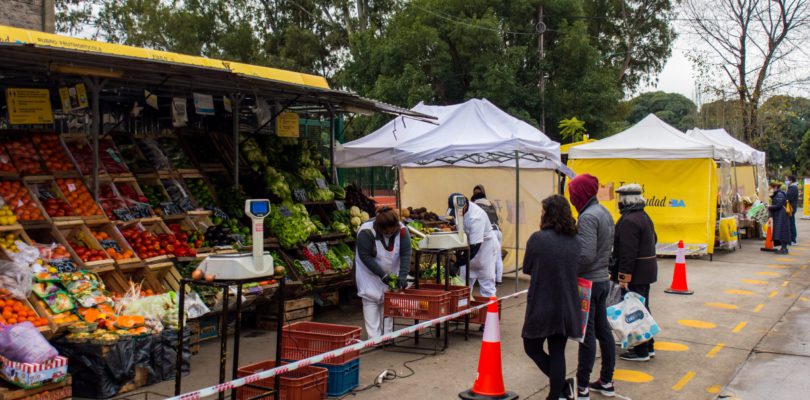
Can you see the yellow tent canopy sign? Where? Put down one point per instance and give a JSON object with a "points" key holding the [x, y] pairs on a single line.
{"points": [[29, 106], [287, 125]]}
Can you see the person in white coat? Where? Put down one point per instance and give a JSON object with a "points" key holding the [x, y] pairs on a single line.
{"points": [[383, 258], [483, 246], [479, 197]]}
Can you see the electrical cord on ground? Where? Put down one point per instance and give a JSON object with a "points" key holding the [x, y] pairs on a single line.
{"points": [[387, 375]]}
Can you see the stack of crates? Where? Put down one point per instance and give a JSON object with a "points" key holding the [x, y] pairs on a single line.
{"points": [[306, 339], [306, 383]]}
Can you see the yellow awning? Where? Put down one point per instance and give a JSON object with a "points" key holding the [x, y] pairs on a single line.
{"points": [[40, 39], [566, 147]]}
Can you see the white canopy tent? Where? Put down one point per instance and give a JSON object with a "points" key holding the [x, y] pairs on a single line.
{"points": [[473, 142], [749, 168]]}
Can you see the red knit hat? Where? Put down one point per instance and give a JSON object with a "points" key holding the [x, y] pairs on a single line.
{"points": [[582, 189]]}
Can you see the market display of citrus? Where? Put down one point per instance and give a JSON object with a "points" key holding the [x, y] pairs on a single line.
{"points": [[52, 152], [111, 247], [25, 158], [7, 243], [65, 318], [18, 198], [78, 197], [16, 311], [7, 216], [5, 162]]}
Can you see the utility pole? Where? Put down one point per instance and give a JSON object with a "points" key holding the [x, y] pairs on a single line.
{"points": [[541, 29]]}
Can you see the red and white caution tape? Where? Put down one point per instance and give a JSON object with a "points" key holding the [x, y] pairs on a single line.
{"points": [[224, 387]]}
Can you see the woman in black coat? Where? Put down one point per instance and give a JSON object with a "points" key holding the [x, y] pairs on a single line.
{"points": [[552, 309], [781, 221]]}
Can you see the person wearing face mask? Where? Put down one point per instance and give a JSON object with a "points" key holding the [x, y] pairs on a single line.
{"points": [[479, 197], [383, 259], [781, 221], [483, 246], [635, 266], [793, 199]]}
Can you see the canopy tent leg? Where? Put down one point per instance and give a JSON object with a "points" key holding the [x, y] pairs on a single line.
{"points": [[95, 84], [398, 188], [517, 221], [333, 167], [236, 98], [736, 197]]}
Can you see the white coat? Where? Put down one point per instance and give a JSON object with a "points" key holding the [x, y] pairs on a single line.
{"points": [[479, 230], [369, 286]]}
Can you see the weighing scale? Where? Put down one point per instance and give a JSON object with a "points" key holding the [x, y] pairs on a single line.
{"points": [[447, 240], [244, 265]]}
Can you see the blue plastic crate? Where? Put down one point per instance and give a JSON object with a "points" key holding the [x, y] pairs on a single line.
{"points": [[342, 378]]}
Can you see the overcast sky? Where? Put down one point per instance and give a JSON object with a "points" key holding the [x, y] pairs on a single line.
{"points": [[676, 76]]}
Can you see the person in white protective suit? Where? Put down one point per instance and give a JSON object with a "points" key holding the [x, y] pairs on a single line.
{"points": [[383, 260], [483, 246], [479, 197]]}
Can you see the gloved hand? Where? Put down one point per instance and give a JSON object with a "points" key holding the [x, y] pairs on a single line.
{"points": [[402, 283], [386, 279]]}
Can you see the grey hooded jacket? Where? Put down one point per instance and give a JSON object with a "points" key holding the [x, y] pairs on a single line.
{"points": [[596, 241]]}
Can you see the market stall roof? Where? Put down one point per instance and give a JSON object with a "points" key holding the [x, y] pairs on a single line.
{"points": [[25, 52], [745, 153], [472, 134], [649, 139], [566, 148]]}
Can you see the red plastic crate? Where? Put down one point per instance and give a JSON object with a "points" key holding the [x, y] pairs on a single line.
{"points": [[306, 383], [479, 316], [306, 339], [460, 295], [419, 304]]}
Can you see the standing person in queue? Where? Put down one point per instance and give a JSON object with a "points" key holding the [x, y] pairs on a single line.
{"points": [[552, 307], [383, 257], [479, 197], [635, 265], [483, 246], [779, 216], [595, 234], [793, 199]]}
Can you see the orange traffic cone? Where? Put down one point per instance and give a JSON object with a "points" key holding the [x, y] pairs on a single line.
{"points": [[768, 239], [489, 381], [679, 285]]}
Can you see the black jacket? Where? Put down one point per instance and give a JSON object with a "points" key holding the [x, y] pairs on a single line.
{"points": [[634, 256], [793, 197]]}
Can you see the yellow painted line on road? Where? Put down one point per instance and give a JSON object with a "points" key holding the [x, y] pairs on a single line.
{"points": [[758, 308], [785, 283], [754, 282], [739, 327], [685, 380], [670, 346], [724, 306], [740, 292], [791, 296], [713, 352], [777, 266], [768, 273], [628, 375], [803, 267], [804, 299], [697, 324], [786, 259], [773, 294], [714, 389]]}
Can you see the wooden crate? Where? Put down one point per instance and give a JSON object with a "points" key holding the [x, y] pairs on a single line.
{"points": [[41, 187], [114, 234], [82, 153], [77, 186], [77, 232], [141, 274], [50, 141], [19, 234], [295, 310], [131, 193], [44, 311], [114, 281], [5, 161], [155, 227], [53, 391], [15, 191], [167, 275]]}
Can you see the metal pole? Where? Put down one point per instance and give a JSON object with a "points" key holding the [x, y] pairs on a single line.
{"points": [[398, 192], [517, 218], [95, 85], [181, 319], [237, 332], [223, 337], [236, 98], [332, 144]]}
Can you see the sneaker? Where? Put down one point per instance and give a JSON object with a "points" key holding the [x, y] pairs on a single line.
{"points": [[605, 389], [632, 356], [652, 354], [583, 393], [570, 389]]}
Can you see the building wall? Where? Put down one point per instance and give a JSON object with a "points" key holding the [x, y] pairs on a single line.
{"points": [[28, 14]]}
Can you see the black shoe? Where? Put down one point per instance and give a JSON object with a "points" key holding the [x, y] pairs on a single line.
{"points": [[570, 390], [583, 393], [652, 354], [605, 389], [632, 356]]}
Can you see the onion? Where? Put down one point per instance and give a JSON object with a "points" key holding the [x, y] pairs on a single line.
{"points": [[210, 278], [197, 275]]}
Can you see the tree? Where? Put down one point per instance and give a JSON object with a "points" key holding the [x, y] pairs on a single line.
{"points": [[784, 121], [673, 108], [751, 42], [572, 128], [634, 36], [804, 155]]}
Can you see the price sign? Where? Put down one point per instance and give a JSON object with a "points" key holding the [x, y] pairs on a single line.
{"points": [[307, 266], [114, 155], [321, 183], [71, 187], [170, 208], [322, 248], [349, 261], [312, 248], [300, 195], [285, 212], [140, 210], [341, 206], [220, 214], [124, 214], [110, 244], [186, 204]]}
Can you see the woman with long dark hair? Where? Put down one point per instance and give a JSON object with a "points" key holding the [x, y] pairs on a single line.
{"points": [[552, 309]]}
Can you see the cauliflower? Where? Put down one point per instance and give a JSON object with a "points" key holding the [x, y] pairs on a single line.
{"points": [[356, 221], [364, 216], [354, 211]]}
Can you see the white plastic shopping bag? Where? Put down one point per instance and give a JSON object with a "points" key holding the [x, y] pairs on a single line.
{"points": [[631, 320]]}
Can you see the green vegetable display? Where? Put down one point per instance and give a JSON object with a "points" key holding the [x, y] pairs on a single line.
{"points": [[276, 184], [292, 230], [392, 282]]}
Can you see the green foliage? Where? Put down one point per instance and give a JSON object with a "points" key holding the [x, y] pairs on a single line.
{"points": [[572, 128], [803, 155], [673, 108], [784, 120]]}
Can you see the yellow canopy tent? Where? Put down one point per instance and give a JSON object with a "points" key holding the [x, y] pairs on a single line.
{"points": [[678, 174], [565, 148]]}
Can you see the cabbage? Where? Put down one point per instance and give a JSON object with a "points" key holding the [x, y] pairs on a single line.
{"points": [[354, 211]]}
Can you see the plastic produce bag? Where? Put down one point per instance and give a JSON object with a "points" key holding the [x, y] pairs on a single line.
{"points": [[632, 320], [15, 279], [23, 343], [614, 295], [195, 306]]}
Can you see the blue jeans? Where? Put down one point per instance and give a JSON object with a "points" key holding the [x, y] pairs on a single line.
{"points": [[793, 228], [598, 329]]}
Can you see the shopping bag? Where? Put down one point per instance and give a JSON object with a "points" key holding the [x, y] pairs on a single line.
{"points": [[631, 320], [614, 295], [584, 288]]}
